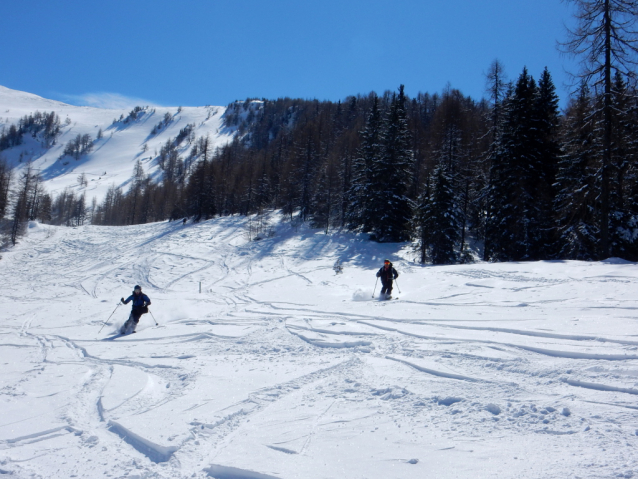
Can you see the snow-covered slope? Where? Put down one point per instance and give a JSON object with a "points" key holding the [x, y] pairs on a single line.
{"points": [[282, 368], [112, 159]]}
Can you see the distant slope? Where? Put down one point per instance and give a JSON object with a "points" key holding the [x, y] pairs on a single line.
{"points": [[112, 157]]}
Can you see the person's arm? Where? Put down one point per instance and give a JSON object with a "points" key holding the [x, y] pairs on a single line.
{"points": [[126, 301], [148, 300], [378, 273], [396, 274]]}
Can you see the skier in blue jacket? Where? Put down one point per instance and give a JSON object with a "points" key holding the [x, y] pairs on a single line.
{"points": [[140, 307]]}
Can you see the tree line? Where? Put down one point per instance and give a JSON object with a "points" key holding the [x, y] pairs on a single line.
{"points": [[512, 171], [509, 170], [441, 169]]}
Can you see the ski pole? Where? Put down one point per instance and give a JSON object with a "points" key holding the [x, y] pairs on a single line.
{"points": [[395, 280], [153, 318], [118, 305], [375, 286]]}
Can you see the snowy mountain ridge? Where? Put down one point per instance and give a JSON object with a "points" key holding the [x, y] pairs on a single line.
{"points": [[112, 157]]}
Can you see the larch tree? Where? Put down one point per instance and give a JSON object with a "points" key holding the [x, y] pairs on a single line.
{"points": [[605, 39], [496, 88], [5, 182], [23, 202]]}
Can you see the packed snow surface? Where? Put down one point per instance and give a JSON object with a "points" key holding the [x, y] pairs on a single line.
{"points": [[282, 368]]}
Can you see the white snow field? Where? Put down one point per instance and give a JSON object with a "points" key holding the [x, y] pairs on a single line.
{"points": [[282, 368], [113, 157]]}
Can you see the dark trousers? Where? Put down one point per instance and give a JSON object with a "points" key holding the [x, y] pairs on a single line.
{"points": [[387, 287], [136, 314], [131, 322]]}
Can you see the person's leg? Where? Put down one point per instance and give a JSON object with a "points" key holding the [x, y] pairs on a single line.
{"points": [[126, 324], [136, 319]]}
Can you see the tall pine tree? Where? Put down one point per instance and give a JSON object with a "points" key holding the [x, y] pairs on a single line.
{"points": [[547, 124], [360, 214], [514, 215], [390, 206], [575, 203], [437, 224]]}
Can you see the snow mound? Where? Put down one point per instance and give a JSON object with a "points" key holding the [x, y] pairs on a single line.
{"points": [[223, 472], [615, 260], [493, 408], [154, 452], [393, 392], [361, 295], [448, 401]]}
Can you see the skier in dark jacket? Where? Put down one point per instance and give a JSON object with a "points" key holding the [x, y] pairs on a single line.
{"points": [[387, 273], [140, 307]]}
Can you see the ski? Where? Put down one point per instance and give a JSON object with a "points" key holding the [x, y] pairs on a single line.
{"points": [[387, 299]]}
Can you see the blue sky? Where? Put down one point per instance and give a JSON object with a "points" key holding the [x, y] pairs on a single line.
{"points": [[199, 52]]}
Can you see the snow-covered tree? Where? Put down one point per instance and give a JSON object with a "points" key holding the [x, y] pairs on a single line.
{"points": [[365, 178], [437, 219], [391, 208], [547, 127], [576, 190], [513, 231], [623, 220], [606, 41]]}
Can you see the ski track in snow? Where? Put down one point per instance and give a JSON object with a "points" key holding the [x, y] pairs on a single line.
{"points": [[281, 368]]}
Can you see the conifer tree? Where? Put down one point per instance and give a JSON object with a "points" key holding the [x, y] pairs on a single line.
{"points": [[496, 88], [514, 216], [210, 191], [5, 183], [307, 160], [345, 178], [263, 190], [547, 124], [420, 224], [623, 220], [575, 203], [321, 203], [445, 219], [360, 215], [390, 206], [442, 218], [45, 206], [135, 191], [147, 205], [606, 40], [22, 207], [195, 191]]}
